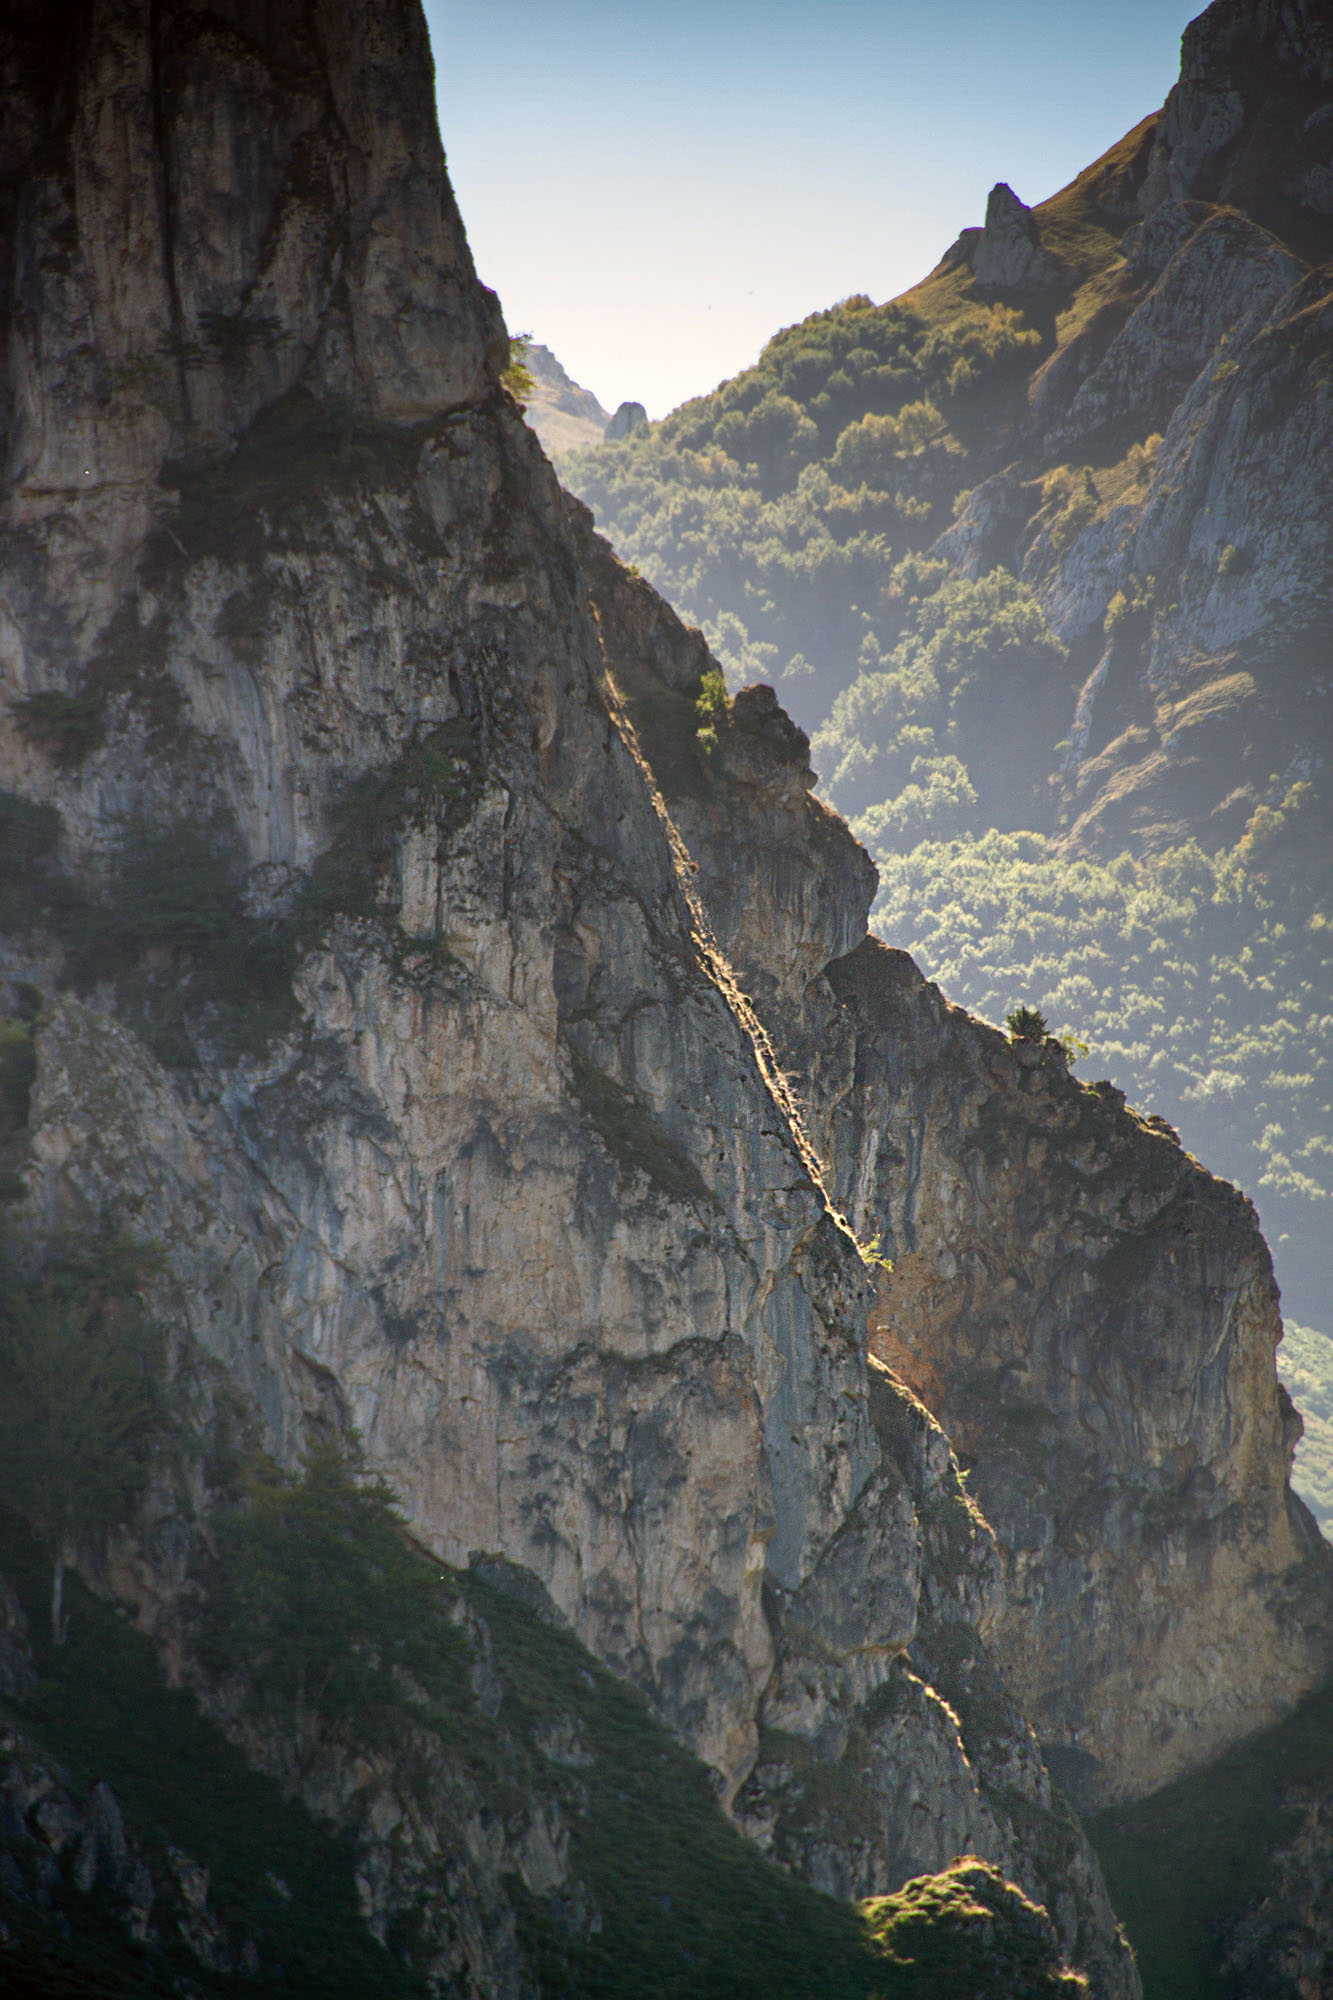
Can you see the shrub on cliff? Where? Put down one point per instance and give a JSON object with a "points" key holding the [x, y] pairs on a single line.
{"points": [[172, 929], [82, 1398], [319, 1599]]}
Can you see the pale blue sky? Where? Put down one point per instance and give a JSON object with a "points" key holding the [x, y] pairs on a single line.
{"points": [[654, 191]]}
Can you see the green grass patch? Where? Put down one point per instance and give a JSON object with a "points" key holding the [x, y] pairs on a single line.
{"points": [[966, 1932]]}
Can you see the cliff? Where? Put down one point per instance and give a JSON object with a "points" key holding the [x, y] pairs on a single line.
{"points": [[1089, 1313], [357, 970], [1038, 553], [354, 962], [1206, 336]]}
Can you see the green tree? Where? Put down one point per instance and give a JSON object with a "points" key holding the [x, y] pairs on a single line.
{"points": [[320, 1596], [82, 1406], [517, 377], [1026, 1024]]}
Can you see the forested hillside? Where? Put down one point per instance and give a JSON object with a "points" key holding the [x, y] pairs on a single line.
{"points": [[1039, 555]]}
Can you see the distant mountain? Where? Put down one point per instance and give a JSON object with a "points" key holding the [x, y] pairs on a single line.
{"points": [[564, 416], [1040, 553]]}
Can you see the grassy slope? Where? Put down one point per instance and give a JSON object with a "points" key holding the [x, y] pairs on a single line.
{"points": [[689, 1909], [1181, 1865], [102, 1709]]}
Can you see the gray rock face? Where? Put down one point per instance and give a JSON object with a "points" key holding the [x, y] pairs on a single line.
{"points": [[205, 209], [628, 417], [1094, 1319], [1090, 1314], [516, 1187], [1222, 283], [1200, 377], [52, 1836], [1255, 71], [1008, 256]]}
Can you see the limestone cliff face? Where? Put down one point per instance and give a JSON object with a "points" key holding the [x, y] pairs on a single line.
{"points": [[1090, 1314], [510, 1182], [496, 1298]]}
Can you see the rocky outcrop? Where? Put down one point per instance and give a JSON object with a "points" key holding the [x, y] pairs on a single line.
{"points": [[163, 287], [55, 1839], [627, 418], [1088, 1312], [1094, 1319], [924, 1755], [1008, 255], [564, 416], [1203, 354], [1247, 123], [364, 967]]}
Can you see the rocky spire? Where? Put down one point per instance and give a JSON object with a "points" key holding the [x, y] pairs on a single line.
{"points": [[1009, 256]]}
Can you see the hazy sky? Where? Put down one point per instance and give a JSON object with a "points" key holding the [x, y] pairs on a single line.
{"points": [[654, 190]]}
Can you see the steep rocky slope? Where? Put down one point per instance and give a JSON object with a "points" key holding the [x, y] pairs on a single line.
{"points": [[516, 1823], [1211, 329], [1090, 1314], [351, 963], [351, 959], [1041, 549]]}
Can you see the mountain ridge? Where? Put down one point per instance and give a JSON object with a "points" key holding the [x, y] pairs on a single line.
{"points": [[1105, 676], [382, 1026]]}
